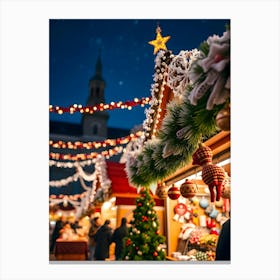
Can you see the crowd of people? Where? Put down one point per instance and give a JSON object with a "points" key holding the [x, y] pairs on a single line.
{"points": [[100, 237]]}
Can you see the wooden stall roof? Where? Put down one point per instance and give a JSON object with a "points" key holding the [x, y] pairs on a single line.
{"points": [[120, 188]]}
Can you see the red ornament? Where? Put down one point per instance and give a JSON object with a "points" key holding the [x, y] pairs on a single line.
{"points": [[180, 209], [139, 204], [157, 232], [144, 218], [155, 254], [214, 231], [174, 193], [188, 189], [210, 223], [128, 242]]}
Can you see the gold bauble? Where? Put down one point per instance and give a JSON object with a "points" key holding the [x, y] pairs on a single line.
{"points": [[223, 119], [188, 189], [219, 203], [162, 191], [225, 193]]}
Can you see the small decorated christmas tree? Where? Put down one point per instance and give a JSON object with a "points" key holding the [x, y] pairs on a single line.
{"points": [[144, 241]]}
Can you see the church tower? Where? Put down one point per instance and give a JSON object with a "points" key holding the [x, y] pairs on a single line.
{"points": [[95, 125]]}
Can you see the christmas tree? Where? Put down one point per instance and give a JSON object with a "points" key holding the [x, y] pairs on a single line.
{"points": [[144, 241]]}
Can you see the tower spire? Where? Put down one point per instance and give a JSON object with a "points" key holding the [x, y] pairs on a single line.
{"points": [[95, 125], [98, 68]]}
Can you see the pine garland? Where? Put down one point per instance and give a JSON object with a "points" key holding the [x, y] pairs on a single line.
{"points": [[170, 126], [151, 166]]}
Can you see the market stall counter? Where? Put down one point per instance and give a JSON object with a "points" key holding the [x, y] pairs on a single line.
{"points": [[71, 249]]}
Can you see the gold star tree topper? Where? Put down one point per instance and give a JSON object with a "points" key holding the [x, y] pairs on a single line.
{"points": [[159, 42]]}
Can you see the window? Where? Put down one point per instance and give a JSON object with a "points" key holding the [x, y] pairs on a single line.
{"points": [[97, 92]]}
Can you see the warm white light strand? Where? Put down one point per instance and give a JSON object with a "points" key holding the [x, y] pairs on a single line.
{"points": [[64, 182], [72, 164], [59, 200], [86, 176], [83, 157], [84, 186]]}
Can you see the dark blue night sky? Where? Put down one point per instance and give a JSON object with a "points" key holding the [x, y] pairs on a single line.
{"points": [[127, 59]]}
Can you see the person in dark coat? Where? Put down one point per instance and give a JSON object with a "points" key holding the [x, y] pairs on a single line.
{"points": [[119, 234], [102, 241], [223, 245], [56, 232], [95, 224]]}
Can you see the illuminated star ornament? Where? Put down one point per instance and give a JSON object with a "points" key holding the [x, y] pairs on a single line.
{"points": [[159, 42]]}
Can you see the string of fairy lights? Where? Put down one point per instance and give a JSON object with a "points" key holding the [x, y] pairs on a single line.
{"points": [[94, 145], [153, 114], [78, 108], [77, 157]]}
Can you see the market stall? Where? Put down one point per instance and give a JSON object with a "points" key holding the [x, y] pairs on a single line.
{"points": [[71, 249]]}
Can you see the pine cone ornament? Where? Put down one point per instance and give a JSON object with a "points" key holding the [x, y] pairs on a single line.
{"points": [[212, 175]]}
